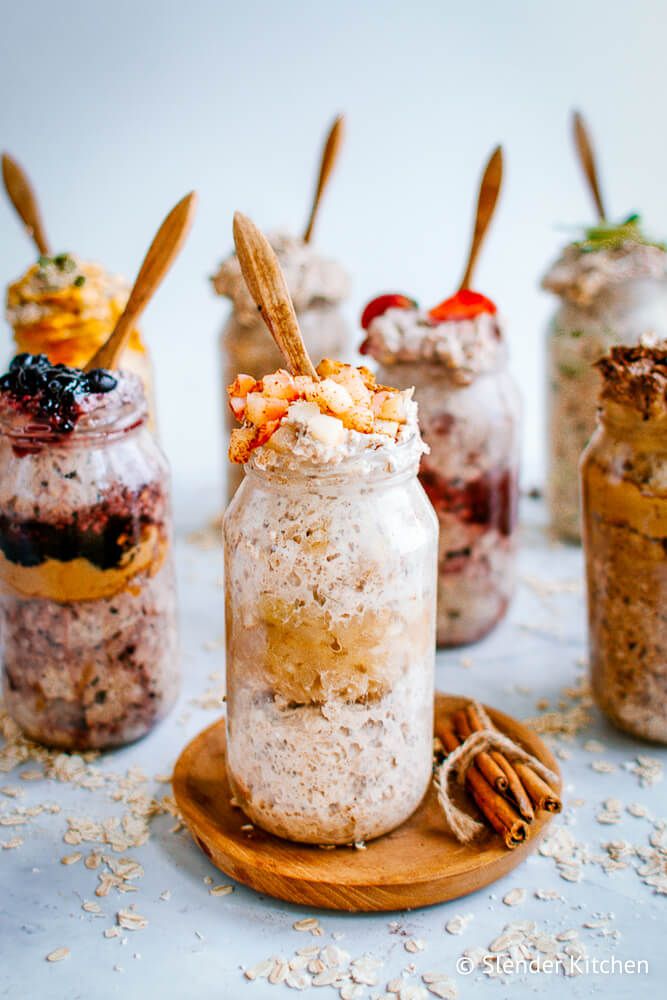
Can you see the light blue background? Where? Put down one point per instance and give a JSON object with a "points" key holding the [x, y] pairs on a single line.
{"points": [[118, 109]]}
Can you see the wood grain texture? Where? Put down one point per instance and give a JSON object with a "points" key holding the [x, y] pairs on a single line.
{"points": [[268, 288], [24, 200], [418, 864], [489, 189], [330, 153], [161, 255], [584, 146]]}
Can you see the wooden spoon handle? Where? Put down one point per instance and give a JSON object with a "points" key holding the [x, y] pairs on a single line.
{"points": [[329, 156], [584, 147], [489, 190], [161, 255], [24, 200], [267, 286]]}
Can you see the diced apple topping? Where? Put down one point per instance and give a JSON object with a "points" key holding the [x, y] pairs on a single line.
{"points": [[342, 399]]}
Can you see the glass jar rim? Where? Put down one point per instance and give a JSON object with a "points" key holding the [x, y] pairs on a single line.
{"points": [[33, 430]]}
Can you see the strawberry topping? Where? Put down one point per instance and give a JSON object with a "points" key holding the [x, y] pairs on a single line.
{"points": [[465, 304], [376, 307]]}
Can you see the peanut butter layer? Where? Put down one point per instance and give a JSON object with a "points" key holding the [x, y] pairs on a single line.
{"points": [[80, 580], [622, 502]]}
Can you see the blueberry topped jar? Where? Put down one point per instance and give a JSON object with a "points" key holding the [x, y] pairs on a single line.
{"points": [[87, 595], [318, 286], [455, 357], [612, 290], [66, 308]]}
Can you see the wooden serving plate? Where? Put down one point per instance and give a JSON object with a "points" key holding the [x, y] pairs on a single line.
{"points": [[418, 864]]}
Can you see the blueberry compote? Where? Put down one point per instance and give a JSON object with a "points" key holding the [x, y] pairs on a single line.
{"points": [[87, 599], [53, 392]]}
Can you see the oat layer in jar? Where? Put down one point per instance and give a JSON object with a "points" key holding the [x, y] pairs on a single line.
{"points": [[318, 286], [469, 414], [330, 564], [66, 308], [87, 595], [613, 289], [624, 494]]}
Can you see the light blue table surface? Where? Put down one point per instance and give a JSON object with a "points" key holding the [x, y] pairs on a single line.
{"points": [[197, 944]]}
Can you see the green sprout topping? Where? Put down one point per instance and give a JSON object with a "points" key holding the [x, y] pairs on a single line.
{"points": [[63, 262], [612, 236]]}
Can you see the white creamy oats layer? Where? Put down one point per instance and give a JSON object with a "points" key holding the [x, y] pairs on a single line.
{"points": [[312, 280], [467, 347]]}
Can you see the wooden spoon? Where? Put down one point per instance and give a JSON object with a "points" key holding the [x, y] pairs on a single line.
{"points": [[24, 200], [329, 157], [267, 286], [584, 147], [161, 255], [489, 189]]}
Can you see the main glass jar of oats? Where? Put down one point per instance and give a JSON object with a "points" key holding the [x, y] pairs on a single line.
{"points": [[87, 593], [318, 287], [330, 575], [66, 308], [469, 417], [612, 288], [624, 504]]}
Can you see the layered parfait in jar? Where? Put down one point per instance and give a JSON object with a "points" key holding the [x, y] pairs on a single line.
{"points": [[87, 596], [612, 287], [455, 356], [66, 308], [318, 286], [330, 563], [624, 494]]}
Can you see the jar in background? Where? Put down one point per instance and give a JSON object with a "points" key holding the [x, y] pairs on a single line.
{"points": [[613, 289], [66, 308], [624, 506], [330, 575], [318, 286], [469, 416], [87, 592]]}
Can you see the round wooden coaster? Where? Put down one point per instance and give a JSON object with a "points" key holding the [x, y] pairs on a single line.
{"points": [[418, 864]]}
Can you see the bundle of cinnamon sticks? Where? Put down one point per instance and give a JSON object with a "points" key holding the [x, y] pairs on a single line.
{"points": [[507, 794]]}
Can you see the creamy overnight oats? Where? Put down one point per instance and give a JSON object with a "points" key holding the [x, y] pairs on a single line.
{"points": [[87, 598], [317, 285], [330, 551], [66, 308], [624, 502], [612, 287], [455, 357]]}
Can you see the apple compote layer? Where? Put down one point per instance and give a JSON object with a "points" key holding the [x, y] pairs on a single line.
{"points": [[330, 550]]}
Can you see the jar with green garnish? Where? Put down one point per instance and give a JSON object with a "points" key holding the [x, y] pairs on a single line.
{"points": [[612, 287]]}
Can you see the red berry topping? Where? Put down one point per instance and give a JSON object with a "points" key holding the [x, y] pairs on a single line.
{"points": [[464, 305], [376, 307]]}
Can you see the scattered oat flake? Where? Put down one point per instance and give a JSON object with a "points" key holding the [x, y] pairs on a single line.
{"points": [[112, 932], [11, 791], [221, 890], [603, 766], [594, 746], [58, 955], [311, 924], [413, 945], [458, 924], [32, 776], [131, 921], [514, 897], [444, 988], [71, 859], [637, 809], [166, 895], [91, 907], [11, 844]]}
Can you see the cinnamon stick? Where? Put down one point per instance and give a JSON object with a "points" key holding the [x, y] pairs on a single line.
{"points": [[542, 796], [497, 811], [514, 787], [487, 765]]}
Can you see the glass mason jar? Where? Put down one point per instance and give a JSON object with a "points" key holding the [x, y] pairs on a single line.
{"points": [[624, 506], [87, 593], [577, 337], [249, 348], [330, 617], [471, 477]]}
